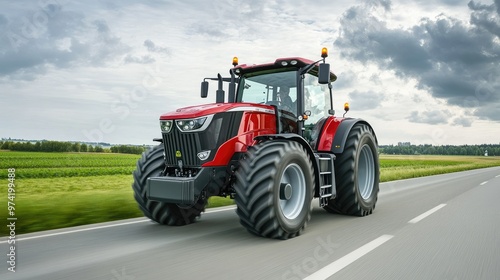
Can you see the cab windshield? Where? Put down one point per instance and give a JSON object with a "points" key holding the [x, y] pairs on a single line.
{"points": [[264, 87], [267, 87]]}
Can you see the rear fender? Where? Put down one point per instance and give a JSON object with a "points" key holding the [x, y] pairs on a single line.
{"points": [[334, 134]]}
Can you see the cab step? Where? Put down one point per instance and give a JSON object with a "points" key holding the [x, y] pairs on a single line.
{"points": [[326, 190]]}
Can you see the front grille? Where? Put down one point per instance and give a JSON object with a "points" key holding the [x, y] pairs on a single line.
{"points": [[187, 144], [223, 127]]}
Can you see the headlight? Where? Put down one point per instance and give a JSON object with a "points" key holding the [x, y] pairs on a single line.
{"points": [[194, 124], [204, 155], [165, 126]]}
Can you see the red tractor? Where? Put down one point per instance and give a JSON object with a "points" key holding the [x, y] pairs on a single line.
{"points": [[273, 146]]}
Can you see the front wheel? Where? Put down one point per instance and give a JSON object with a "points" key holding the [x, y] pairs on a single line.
{"points": [[151, 164], [357, 174], [274, 189]]}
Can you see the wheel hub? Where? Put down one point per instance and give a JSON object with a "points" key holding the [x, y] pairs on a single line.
{"points": [[292, 192], [366, 172], [285, 191]]}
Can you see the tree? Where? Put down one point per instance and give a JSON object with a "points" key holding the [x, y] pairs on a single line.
{"points": [[98, 149], [6, 145], [75, 147]]}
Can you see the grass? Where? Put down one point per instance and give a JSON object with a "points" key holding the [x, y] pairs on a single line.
{"points": [[403, 167], [55, 190], [47, 165]]}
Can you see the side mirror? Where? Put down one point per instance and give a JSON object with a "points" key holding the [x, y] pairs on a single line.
{"points": [[204, 89], [324, 73]]}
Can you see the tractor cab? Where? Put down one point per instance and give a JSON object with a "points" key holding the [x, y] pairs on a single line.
{"points": [[300, 100], [299, 89]]}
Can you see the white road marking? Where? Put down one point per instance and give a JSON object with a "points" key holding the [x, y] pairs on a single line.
{"points": [[426, 214], [220, 209], [497, 176], [346, 260], [483, 183], [107, 226], [77, 230]]}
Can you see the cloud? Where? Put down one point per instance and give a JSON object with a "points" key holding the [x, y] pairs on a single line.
{"points": [[483, 19], [345, 79], [153, 50], [53, 37], [451, 59], [488, 112], [365, 100], [430, 117], [152, 47], [3, 21], [145, 59], [105, 46], [465, 121]]}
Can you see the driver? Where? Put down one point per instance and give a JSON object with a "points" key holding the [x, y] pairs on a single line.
{"points": [[286, 100]]}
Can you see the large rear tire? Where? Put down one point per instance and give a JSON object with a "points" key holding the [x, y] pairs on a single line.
{"points": [[151, 164], [274, 189], [357, 174]]}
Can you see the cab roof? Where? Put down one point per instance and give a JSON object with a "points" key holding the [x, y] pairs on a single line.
{"points": [[288, 62]]}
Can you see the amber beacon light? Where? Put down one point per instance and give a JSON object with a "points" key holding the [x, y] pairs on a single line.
{"points": [[324, 52]]}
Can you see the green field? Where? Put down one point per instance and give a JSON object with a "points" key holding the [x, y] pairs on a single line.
{"points": [[55, 190], [397, 167]]}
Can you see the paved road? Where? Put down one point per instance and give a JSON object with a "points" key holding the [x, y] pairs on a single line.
{"points": [[437, 227]]}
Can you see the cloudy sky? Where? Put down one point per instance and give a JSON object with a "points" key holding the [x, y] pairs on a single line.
{"points": [[427, 72]]}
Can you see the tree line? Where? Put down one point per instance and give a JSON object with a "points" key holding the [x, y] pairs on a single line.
{"points": [[462, 150], [58, 146], [124, 149]]}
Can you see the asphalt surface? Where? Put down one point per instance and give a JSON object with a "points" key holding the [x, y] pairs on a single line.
{"points": [[437, 227]]}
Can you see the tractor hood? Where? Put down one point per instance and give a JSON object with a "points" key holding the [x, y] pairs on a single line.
{"points": [[212, 108]]}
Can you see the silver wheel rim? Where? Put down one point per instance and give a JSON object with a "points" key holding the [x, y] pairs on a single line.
{"points": [[294, 176], [366, 172]]}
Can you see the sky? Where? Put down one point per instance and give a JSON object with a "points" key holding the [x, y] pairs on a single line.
{"points": [[425, 72]]}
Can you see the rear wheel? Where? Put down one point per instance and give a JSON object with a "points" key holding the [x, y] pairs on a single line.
{"points": [[151, 164], [274, 188], [357, 174]]}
